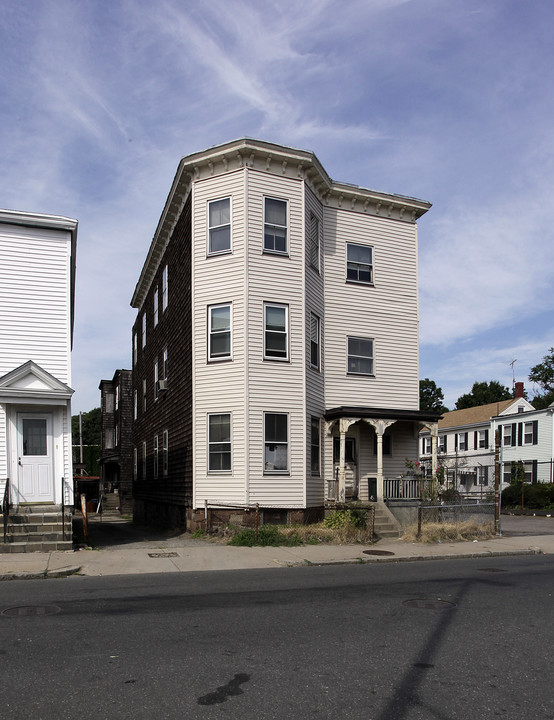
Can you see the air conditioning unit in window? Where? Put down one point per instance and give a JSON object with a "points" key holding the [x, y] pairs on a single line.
{"points": [[161, 385]]}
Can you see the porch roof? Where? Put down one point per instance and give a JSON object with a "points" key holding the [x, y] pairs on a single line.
{"points": [[382, 413]]}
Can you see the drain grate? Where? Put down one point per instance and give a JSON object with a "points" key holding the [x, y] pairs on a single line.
{"points": [[425, 604], [31, 610], [377, 552], [163, 555]]}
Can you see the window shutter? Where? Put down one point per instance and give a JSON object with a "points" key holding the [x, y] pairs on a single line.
{"points": [[520, 434], [487, 439], [535, 432], [475, 440], [514, 434], [500, 434], [534, 474], [456, 441], [445, 443], [465, 438], [485, 475]]}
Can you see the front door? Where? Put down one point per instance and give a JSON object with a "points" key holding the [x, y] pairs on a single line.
{"points": [[35, 454]]}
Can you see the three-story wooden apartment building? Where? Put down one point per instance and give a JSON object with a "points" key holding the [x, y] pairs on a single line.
{"points": [[275, 348]]}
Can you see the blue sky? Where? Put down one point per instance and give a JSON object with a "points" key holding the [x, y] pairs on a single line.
{"points": [[451, 101]]}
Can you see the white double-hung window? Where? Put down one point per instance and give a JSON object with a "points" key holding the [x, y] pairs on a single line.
{"points": [[360, 356], [275, 226], [276, 332], [219, 332], [359, 263], [219, 226], [276, 442], [314, 341], [219, 442]]}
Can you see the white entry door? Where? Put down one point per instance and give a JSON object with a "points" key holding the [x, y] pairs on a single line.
{"points": [[34, 447]]}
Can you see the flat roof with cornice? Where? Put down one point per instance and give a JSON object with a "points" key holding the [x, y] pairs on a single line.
{"points": [[271, 158]]}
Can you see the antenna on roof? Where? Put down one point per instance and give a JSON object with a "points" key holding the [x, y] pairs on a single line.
{"points": [[512, 363]]}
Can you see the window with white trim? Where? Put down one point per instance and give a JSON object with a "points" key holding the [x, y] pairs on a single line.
{"points": [[144, 330], [135, 463], [164, 288], [156, 306], [275, 226], [135, 348], [314, 341], [219, 442], [165, 452], [359, 263], [164, 364], [156, 457], [135, 404], [144, 396], [219, 226], [219, 332], [144, 461], [156, 378], [507, 435], [117, 397], [314, 242], [482, 439], [276, 442], [482, 475], [528, 433], [315, 445], [462, 441], [360, 356], [276, 329], [426, 449]]}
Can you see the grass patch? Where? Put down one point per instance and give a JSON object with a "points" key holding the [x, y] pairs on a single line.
{"points": [[449, 532], [343, 531]]}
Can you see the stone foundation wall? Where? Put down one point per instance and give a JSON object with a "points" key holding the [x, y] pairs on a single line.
{"points": [[246, 517]]}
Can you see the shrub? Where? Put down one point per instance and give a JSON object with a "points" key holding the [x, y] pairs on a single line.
{"points": [[268, 535], [343, 518], [539, 496]]}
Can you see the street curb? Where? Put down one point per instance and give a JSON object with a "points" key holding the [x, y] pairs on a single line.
{"points": [[44, 575], [416, 558]]}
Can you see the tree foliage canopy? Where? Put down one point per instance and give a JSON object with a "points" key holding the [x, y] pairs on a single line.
{"points": [[431, 397], [483, 393], [91, 427], [543, 375]]}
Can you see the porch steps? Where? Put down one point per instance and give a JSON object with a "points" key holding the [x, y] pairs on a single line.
{"points": [[110, 504], [385, 524], [37, 528]]}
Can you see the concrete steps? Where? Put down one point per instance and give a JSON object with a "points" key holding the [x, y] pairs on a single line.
{"points": [[385, 524], [37, 528]]}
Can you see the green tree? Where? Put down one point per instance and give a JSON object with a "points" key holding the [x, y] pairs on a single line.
{"points": [[431, 397], [543, 375], [483, 393], [90, 425]]}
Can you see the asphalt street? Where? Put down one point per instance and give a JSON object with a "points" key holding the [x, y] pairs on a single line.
{"points": [[445, 640]]}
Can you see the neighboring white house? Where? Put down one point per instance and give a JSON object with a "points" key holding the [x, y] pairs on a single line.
{"points": [[466, 442], [527, 439], [275, 349], [37, 282]]}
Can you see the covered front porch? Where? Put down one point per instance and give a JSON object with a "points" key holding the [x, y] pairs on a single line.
{"points": [[369, 451]]}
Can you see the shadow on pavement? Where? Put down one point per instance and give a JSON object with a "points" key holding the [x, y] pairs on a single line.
{"points": [[111, 532]]}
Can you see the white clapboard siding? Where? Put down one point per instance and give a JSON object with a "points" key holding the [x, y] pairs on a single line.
{"points": [[386, 312], [315, 385], [276, 386], [219, 387], [34, 299], [542, 452]]}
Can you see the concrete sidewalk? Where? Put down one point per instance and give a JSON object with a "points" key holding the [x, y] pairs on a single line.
{"points": [[154, 553]]}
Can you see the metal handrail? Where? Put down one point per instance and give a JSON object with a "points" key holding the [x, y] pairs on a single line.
{"points": [[6, 508]]}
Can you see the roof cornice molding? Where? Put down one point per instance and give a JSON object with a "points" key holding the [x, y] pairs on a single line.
{"points": [[247, 153]]}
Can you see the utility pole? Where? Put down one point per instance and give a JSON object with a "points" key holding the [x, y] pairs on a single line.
{"points": [[497, 528], [81, 437]]}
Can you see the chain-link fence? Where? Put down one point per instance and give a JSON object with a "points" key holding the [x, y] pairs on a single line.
{"points": [[479, 513]]}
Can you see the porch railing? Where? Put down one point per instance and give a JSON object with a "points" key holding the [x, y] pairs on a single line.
{"points": [[403, 488], [6, 508], [398, 488]]}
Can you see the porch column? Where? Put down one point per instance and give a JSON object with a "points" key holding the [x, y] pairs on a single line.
{"points": [[380, 426], [434, 430], [344, 424]]}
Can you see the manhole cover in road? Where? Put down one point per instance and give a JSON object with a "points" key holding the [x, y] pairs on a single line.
{"points": [[163, 555], [429, 604], [377, 552], [28, 610]]}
